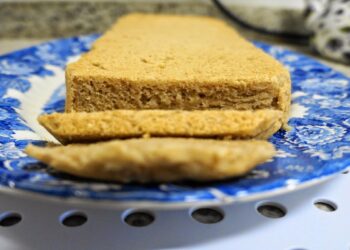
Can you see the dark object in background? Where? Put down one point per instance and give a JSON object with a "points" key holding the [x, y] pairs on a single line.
{"points": [[255, 24], [329, 20], [328, 23]]}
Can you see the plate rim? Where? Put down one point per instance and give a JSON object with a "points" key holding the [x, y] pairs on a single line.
{"points": [[165, 205]]}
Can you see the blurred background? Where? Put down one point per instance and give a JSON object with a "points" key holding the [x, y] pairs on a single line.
{"points": [[317, 27]]}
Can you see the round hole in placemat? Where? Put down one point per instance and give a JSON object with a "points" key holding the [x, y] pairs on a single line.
{"points": [[73, 218], [207, 215], [8, 219], [138, 218], [325, 205], [271, 210]]}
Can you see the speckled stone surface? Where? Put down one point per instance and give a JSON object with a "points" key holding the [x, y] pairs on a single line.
{"points": [[59, 18], [41, 19]]}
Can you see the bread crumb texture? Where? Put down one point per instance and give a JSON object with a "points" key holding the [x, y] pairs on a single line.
{"points": [[148, 61], [156, 159], [104, 125]]}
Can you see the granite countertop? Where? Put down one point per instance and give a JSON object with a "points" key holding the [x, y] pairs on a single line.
{"points": [[57, 18]]}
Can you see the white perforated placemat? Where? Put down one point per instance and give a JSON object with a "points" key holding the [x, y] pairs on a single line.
{"points": [[39, 224]]}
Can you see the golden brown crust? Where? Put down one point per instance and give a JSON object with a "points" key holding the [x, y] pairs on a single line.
{"points": [[98, 126], [150, 61], [156, 160]]}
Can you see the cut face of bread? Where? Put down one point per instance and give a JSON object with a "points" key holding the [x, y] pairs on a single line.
{"points": [[156, 160], [150, 61], [98, 126]]}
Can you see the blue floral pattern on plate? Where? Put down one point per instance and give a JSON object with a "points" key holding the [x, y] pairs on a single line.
{"points": [[317, 147]]}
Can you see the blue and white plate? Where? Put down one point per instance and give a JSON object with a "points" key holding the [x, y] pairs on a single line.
{"points": [[318, 146]]}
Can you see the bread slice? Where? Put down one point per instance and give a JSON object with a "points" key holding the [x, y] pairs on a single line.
{"points": [[156, 159], [148, 61], [97, 126]]}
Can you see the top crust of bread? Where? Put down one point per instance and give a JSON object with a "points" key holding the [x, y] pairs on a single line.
{"points": [[165, 49]]}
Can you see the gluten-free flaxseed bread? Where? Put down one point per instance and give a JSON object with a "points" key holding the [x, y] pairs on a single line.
{"points": [[148, 61], [155, 159], [104, 125]]}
